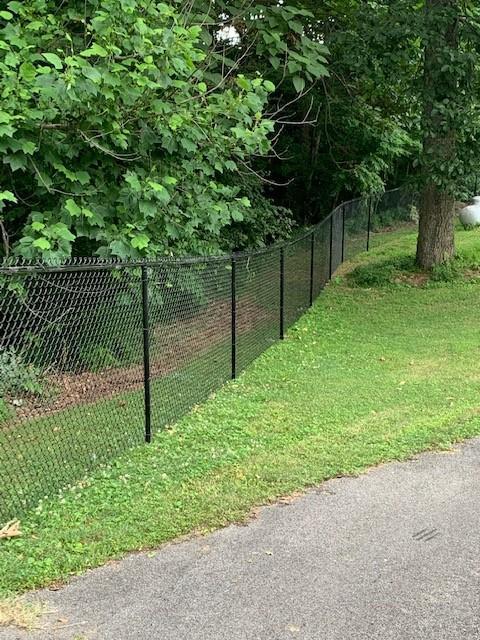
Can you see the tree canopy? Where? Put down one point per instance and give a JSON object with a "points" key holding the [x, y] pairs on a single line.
{"points": [[136, 128]]}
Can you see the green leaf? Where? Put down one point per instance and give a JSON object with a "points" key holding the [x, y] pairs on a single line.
{"points": [[15, 161], [28, 71], [15, 6], [156, 186], [92, 74], [243, 83], [95, 50], [83, 177], [37, 226], [246, 202], [72, 207], [6, 130], [119, 249], [175, 121], [147, 208], [296, 26], [299, 83], [132, 179], [53, 59], [269, 86], [60, 230], [42, 243], [140, 242], [28, 147], [7, 196]]}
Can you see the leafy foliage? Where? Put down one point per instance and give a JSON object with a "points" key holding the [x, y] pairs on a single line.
{"points": [[17, 376], [132, 128], [113, 138]]}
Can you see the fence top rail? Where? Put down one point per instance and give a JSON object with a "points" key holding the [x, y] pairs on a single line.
{"points": [[19, 266]]}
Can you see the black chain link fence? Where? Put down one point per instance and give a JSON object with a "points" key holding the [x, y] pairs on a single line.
{"points": [[95, 357]]}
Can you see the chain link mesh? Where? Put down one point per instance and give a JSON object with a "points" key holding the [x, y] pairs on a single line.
{"points": [[257, 305], [357, 215], [81, 343], [190, 336], [297, 279]]}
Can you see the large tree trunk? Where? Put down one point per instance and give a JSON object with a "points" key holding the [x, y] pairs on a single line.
{"points": [[436, 240]]}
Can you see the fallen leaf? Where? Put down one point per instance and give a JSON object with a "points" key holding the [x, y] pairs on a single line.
{"points": [[11, 529]]}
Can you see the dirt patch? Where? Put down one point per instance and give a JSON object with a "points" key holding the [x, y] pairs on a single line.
{"points": [[413, 279], [16, 612], [472, 274], [174, 347]]}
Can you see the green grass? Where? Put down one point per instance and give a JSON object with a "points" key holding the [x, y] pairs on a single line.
{"points": [[370, 374], [41, 455]]}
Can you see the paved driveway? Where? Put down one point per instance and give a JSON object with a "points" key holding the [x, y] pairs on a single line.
{"points": [[392, 554]]}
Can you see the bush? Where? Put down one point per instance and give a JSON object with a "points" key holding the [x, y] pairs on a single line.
{"points": [[18, 377]]}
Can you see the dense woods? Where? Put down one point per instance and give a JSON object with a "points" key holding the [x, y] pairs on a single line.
{"points": [[136, 128]]}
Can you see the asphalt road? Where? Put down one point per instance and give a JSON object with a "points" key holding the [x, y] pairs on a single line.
{"points": [[392, 554]]}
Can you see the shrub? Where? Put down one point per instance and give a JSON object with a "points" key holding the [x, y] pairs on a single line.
{"points": [[17, 376]]}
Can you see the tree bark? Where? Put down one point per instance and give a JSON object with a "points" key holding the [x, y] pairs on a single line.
{"points": [[436, 240]]}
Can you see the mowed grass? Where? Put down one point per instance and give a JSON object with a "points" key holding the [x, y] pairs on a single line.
{"points": [[367, 376]]}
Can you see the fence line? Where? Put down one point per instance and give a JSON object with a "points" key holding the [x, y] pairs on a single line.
{"points": [[97, 356]]}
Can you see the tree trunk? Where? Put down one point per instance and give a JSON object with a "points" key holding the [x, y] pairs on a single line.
{"points": [[436, 240]]}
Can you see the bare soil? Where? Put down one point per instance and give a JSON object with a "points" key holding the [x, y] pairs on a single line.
{"points": [[174, 347]]}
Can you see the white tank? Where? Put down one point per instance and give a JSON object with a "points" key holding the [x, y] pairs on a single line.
{"points": [[470, 216]]}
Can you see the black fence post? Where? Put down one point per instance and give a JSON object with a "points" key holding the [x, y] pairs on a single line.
{"points": [[312, 265], [282, 293], [234, 318], [146, 355], [343, 234], [330, 268], [369, 231]]}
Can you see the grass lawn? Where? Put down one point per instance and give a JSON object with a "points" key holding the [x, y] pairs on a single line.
{"points": [[376, 371]]}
